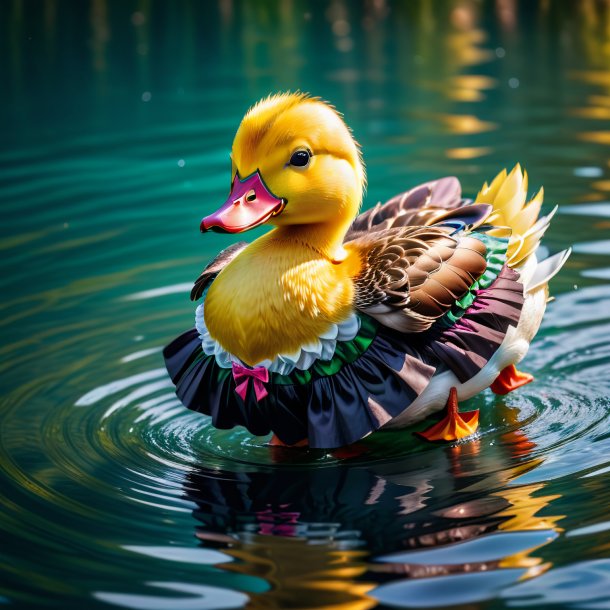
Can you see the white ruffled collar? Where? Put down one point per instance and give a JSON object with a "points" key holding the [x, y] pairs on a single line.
{"points": [[321, 349]]}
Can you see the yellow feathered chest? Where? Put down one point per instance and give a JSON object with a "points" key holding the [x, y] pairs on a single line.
{"points": [[277, 296]]}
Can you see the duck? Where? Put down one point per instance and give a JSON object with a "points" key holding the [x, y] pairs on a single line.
{"points": [[336, 324]]}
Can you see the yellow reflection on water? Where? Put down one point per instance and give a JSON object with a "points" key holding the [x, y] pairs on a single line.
{"points": [[594, 31], [464, 124], [319, 578], [465, 50], [468, 152], [593, 77], [470, 87], [79, 242], [599, 100], [525, 506], [601, 185], [593, 112], [23, 238], [599, 137], [526, 503], [591, 197]]}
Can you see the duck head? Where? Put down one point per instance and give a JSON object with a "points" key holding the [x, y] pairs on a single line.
{"points": [[294, 164]]}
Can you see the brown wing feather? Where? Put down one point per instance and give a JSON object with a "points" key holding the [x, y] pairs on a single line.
{"points": [[215, 267], [411, 276], [420, 206]]}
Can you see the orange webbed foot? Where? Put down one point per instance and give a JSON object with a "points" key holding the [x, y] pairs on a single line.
{"points": [[276, 442], [455, 425], [510, 379]]}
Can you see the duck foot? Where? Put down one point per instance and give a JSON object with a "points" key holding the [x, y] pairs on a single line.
{"points": [[510, 379], [276, 442], [455, 425]]}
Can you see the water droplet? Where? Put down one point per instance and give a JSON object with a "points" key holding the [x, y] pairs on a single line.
{"points": [[500, 52], [513, 82], [181, 162], [146, 96]]}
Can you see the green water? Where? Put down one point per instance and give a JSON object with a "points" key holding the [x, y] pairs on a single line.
{"points": [[116, 121]]}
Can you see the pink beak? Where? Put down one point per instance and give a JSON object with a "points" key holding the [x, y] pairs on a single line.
{"points": [[249, 205]]}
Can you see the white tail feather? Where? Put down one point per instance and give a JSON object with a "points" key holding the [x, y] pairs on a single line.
{"points": [[547, 269]]}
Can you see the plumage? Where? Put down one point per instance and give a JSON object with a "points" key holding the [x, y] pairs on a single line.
{"points": [[414, 207], [411, 276], [349, 323], [508, 196], [214, 268]]}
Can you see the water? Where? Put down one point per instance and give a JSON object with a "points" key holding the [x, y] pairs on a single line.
{"points": [[116, 122]]}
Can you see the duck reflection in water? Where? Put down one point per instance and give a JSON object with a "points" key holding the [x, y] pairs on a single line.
{"points": [[332, 537]]}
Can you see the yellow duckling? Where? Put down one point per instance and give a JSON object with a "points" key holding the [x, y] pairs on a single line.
{"points": [[289, 286], [329, 326]]}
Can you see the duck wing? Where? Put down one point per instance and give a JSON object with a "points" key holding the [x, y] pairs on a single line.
{"points": [[207, 276], [422, 205], [411, 276]]}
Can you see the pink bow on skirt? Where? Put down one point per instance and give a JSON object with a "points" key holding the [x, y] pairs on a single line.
{"points": [[259, 376]]}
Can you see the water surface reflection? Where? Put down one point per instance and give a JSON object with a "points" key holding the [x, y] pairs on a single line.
{"points": [[337, 537]]}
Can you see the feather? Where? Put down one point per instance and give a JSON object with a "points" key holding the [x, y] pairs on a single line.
{"points": [[419, 206], [508, 196], [466, 217], [547, 269], [214, 268], [412, 276]]}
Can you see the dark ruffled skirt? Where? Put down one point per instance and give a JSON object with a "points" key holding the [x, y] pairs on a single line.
{"points": [[333, 406]]}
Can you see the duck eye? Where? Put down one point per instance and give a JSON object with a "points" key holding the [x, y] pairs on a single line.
{"points": [[300, 158]]}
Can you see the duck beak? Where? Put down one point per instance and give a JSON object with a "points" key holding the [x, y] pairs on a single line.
{"points": [[249, 205]]}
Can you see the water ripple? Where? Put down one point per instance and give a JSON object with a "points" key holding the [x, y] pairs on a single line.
{"points": [[112, 492]]}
